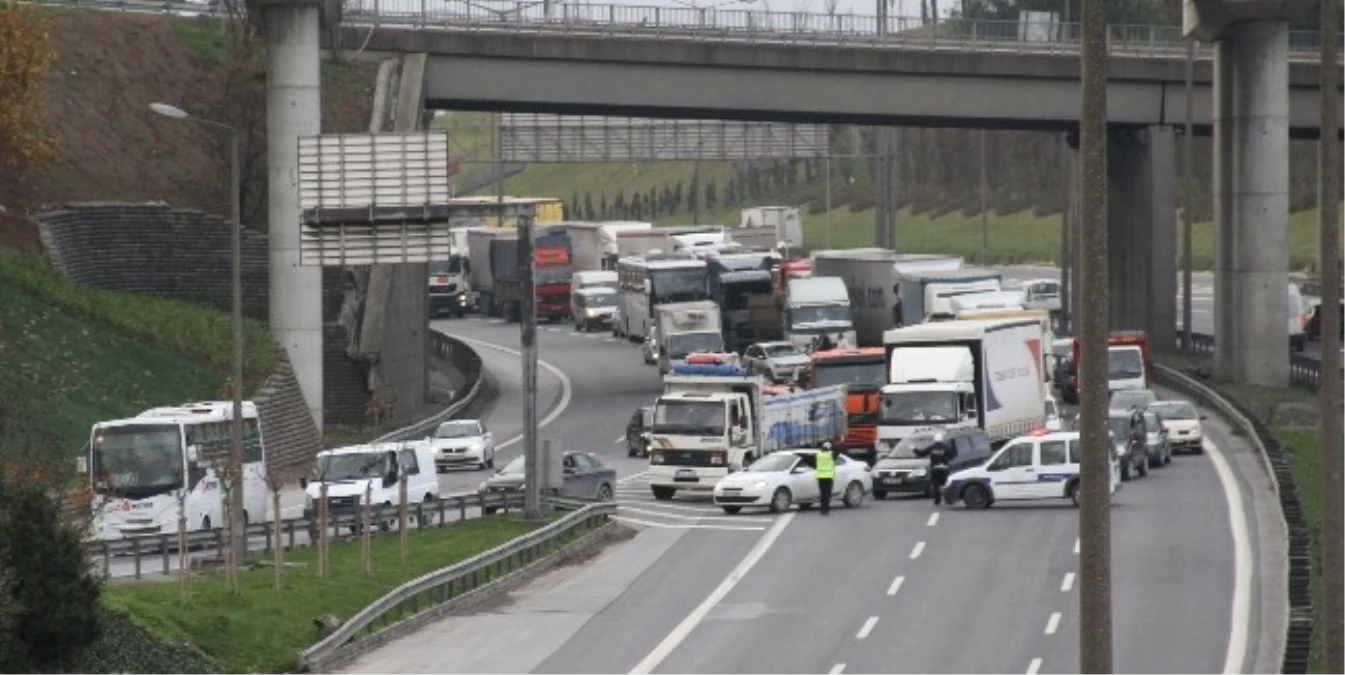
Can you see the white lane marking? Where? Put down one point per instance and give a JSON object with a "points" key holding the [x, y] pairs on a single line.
{"points": [[610, 340], [697, 615], [665, 505], [674, 516], [1241, 615], [686, 526], [634, 476], [1033, 667], [619, 439], [896, 585], [837, 669], [565, 387], [933, 520], [1068, 583], [919, 548], [593, 336], [496, 320], [1053, 623], [1076, 547], [866, 628]]}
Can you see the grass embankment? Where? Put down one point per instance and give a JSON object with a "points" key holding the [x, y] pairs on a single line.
{"points": [[89, 355], [1291, 415], [262, 629], [1017, 237]]}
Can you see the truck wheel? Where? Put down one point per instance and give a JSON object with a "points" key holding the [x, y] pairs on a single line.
{"points": [[976, 497], [662, 493], [781, 500]]}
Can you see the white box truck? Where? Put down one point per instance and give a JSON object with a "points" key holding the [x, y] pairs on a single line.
{"points": [[948, 374], [784, 220], [927, 295], [867, 274], [686, 328], [817, 306], [712, 420]]}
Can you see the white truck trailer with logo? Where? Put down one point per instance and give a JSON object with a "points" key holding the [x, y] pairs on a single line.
{"points": [[951, 374], [867, 274], [712, 420]]}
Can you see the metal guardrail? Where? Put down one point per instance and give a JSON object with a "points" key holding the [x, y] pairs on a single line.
{"points": [[734, 25], [423, 598], [298, 532], [466, 360], [1304, 372]]}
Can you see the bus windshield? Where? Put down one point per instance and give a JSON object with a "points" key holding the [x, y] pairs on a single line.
{"points": [[859, 376], [135, 461], [687, 284]]}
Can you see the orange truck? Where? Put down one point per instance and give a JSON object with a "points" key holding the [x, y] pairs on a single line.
{"points": [[1129, 363], [863, 370]]}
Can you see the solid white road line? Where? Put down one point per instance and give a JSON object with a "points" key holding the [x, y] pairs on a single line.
{"points": [[565, 387], [736, 519], [1241, 616], [866, 628], [837, 669], [1033, 667], [919, 548], [933, 520], [1068, 583], [691, 526], [697, 615], [896, 585], [1053, 623], [677, 507]]}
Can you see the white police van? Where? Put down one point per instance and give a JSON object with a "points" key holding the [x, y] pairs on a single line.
{"points": [[1043, 465]]}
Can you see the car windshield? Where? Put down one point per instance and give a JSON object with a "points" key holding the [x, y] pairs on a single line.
{"points": [[907, 448], [1174, 410], [858, 376], [1119, 426], [458, 429], [679, 346], [136, 461], [1151, 423], [782, 350], [772, 463], [1046, 288], [1124, 364], [1125, 400], [515, 466], [704, 418], [919, 407], [350, 466]]}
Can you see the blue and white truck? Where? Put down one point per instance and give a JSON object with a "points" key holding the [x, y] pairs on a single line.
{"points": [[715, 419], [952, 374]]}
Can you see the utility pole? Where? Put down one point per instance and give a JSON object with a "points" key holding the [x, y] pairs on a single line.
{"points": [[1328, 186], [1066, 239], [985, 222], [532, 496], [828, 179], [1188, 195], [499, 168], [1095, 610]]}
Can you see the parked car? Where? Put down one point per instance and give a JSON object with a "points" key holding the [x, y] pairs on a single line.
{"points": [[1127, 400], [459, 443], [778, 361], [1133, 457], [637, 445], [586, 477], [905, 467], [1157, 447], [1040, 466], [784, 478], [1183, 424]]}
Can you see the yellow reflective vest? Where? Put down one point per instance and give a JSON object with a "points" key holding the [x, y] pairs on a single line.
{"points": [[826, 465]]}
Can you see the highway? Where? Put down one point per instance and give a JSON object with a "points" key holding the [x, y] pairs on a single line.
{"points": [[894, 586]]}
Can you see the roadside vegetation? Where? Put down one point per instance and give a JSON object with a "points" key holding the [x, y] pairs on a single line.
{"points": [[262, 629]]}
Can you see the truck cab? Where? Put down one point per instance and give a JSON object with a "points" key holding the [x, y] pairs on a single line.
{"points": [[1129, 363], [863, 371], [818, 306], [935, 391], [683, 329]]}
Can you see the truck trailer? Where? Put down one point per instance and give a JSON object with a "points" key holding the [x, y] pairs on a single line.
{"points": [[863, 372], [925, 296], [867, 274]]}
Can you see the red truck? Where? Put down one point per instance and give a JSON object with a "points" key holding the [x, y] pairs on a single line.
{"points": [[1124, 369], [552, 270], [864, 372]]}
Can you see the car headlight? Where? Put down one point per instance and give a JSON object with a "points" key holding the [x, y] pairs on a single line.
{"points": [[656, 458], [476, 446], [590, 313]]}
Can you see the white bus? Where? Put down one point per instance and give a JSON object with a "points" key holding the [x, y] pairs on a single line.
{"points": [[139, 467], [644, 283]]}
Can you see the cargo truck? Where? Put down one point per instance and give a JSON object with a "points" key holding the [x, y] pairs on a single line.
{"points": [[551, 277], [863, 372], [1129, 363], [919, 263], [1039, 315], [450, 287], [734, 278], [818, 306], [480, 274], [639, 243], [925, 296], [977, 304], [953, 374], [867, 275], [784, 221], [714, 419], [755, 238], [685, 328]]}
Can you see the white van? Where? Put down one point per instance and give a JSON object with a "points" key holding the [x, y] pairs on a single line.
{"points": [[593, 279], [1299, 314], [1044, 465], [348, 471]]}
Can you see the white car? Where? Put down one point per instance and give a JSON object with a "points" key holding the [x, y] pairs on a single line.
{"points": [[1182, 421], [462, 443], [1040, 466], [786, 477], [779, 361]]}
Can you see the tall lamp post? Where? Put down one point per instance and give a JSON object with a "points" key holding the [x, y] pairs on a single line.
{"points": [[235, 321]]}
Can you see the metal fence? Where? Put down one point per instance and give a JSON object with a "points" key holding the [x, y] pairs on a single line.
{"points": [[421, 600], [1304, 372]]}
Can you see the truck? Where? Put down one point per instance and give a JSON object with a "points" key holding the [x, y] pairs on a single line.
{"points": [[714, 419], [818, 306], [758, 238], [784, 222], [450, 286], [924, 296], [917, 263], [610, 233], [1129, 363], [952, 374], [551, 277], [480, 274], [977, 304], [735, 277], [867, 274], [695, 238], [1040, 315], [685, 328], [863, 372], [637, 243]]}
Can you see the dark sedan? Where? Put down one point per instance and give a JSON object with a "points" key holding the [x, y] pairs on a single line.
{"points": [[585, 478]]}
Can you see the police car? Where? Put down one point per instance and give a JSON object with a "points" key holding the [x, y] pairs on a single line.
{"points": [[1043, 465]]}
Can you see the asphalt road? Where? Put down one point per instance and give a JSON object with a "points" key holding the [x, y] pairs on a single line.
{"points": [[894, 586]]}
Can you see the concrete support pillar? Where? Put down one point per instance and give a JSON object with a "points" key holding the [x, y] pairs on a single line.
{"points": [[1252, 202], [1072, 224], [1141, 220], [293, 109]]}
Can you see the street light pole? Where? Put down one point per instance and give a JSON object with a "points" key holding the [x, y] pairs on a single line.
{"points": [[236, 535]]}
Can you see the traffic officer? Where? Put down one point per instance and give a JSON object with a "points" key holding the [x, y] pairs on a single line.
{"points": [[941, 456], [826, 473]]}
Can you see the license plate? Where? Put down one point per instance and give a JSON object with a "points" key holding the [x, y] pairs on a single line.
{"points": [[894, 481], [685, 473]]}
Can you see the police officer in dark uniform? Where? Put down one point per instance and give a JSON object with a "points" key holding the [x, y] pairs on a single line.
{"points": [[824, 343], [1138, 437], [941, 456]]}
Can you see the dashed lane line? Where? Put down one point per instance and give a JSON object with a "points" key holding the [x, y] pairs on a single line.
{"points": [[1053, 623], [919, 548], [896, 585], [1034, 666], [866, 628], [837, 669], [1068, 583], [1076, 547], [933, 519]]}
